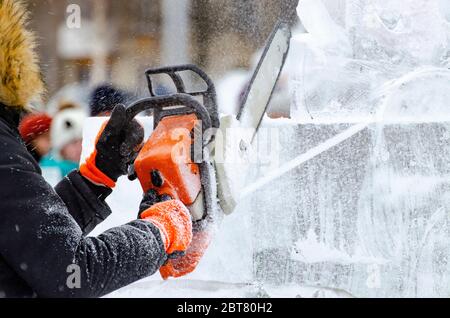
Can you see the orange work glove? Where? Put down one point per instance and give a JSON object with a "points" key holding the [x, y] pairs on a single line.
{"points": [[174, 221], [187, 264]]}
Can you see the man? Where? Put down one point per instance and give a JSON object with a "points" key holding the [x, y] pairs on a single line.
{"points": [[43, 230]]}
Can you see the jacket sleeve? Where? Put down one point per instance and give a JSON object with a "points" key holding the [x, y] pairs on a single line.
{"points": [[42, 241], [84, 201]]}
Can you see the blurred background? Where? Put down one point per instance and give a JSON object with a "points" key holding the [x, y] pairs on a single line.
{"points": [[115, 41]]}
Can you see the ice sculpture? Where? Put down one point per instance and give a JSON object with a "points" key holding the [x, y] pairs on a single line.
{"points": [[369, 215]]}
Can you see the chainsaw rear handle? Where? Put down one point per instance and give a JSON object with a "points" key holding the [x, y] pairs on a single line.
{"points": [[209, 95], [170, 105]]}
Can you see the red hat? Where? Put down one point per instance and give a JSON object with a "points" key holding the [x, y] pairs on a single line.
{"points": [[34, 125]]}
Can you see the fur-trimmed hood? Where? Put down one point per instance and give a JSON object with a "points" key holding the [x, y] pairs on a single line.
{"points": [[20, 77]]}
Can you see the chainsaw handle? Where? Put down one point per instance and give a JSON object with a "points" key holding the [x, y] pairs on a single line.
{"points": [[172, 72], [209, 95], [159, 104]]}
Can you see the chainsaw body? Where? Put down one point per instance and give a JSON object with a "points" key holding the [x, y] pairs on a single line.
{"points": [[165, 164], [169, 162]]}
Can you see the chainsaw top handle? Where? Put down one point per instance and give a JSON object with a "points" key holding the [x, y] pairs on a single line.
{"points": [[209, 95], [170, 105]]}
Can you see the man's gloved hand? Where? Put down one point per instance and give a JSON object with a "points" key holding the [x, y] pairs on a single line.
{"points": [[179, 264], [175, 223], [117, 145]]}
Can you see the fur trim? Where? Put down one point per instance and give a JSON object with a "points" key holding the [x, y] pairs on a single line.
{"points": [[20, 78]]}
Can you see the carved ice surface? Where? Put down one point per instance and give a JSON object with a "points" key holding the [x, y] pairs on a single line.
{"points": [[368, 216], [371, 215]]}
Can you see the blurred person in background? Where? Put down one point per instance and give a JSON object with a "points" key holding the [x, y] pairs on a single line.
{"points": [[104, 98], [66, 134], [35, 131]]}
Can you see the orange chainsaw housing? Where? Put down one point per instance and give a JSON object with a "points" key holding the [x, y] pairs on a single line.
{"points": [[168, 151]]}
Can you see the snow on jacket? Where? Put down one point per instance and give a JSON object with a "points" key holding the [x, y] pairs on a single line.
{"points": [[43, 231]]}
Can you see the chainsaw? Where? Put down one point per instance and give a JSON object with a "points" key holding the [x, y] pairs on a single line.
{"points": [[176, 161], [173, 162]]}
